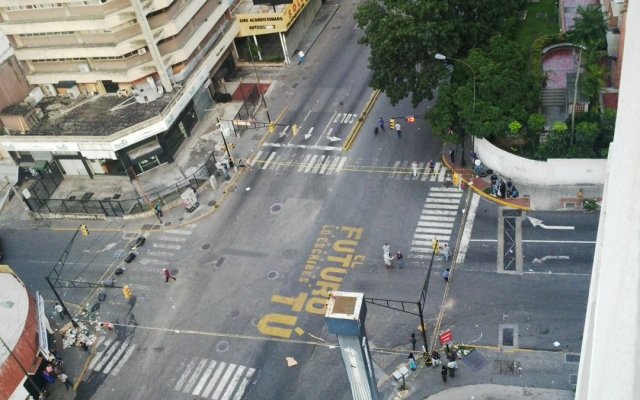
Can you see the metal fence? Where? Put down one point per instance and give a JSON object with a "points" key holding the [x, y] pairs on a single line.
{"points": [[42, 189]]}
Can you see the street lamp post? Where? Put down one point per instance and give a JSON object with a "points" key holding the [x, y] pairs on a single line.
{"points": [[255, 70], [442, 57]]}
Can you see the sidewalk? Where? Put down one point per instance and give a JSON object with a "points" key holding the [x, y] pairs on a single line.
{"points": [[532, 198], [500, 392]]}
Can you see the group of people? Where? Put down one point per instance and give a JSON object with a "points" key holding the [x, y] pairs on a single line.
{"points": [[503, 188], [447, 369], [52, 372], [388, 258]]}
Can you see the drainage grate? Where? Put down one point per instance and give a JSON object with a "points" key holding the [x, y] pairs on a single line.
{"points": [[117, 196], [219, 262], [509, 263], [573, 379], [507, 337], [505, 367], [87, 195], [575, 358]]}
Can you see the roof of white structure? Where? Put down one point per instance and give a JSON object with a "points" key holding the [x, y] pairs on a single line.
{"points": [[5, 48], [14, 307]]}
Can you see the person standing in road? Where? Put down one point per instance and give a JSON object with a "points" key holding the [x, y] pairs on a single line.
{"points": [[167, 275], [432, 165], [399, 257], [443, 373], [59, 310], [413, 341], [65, 379], [300, 57], [446, 252], [435, 359], [452, 366], [398, 129], [158, 209], [414, 168], [452, 156], [445, 274], [381, 124], [387, 260], [386, 248]]}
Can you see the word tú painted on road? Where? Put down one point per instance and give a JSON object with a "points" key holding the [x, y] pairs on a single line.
{"points": [[332, 255]]}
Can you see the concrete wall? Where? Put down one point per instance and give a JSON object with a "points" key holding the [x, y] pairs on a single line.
{"points": [[557, 171], [301, 26]]}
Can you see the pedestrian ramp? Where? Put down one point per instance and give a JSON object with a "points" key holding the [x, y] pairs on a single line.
{"points": [[406, 170], [212, 379], [436, 221]]}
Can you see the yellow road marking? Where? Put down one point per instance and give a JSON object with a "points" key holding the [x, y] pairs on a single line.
{"points": [[356, 127]]}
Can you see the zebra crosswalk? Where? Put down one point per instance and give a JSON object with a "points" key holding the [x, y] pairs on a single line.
{"points": [[321, 164], [111, 354], [404, 170], [217, 380], [436, 221]]}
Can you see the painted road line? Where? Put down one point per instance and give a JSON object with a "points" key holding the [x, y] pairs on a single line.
{"points": [[205, 377], [124, 359], [424, 220], [310, 164], [395, 169], [468, 227], [214, 379], [160, 254], [424, 175], [233, 383], [437, 212], [223, 382], [318, 164], [444, 189], [442, 173], [435, 224], [166, 246], [107, 355], [194, 377], [426, 244], [429, 232], [185, 376], [417, 177], [436, 171], [341, 164], [97, 357], [243, 385], [443, 200], [432, 206], [330, 168], [116, 357], [304, 162], [173, 239], [254, 159], [326, 164], [457, 194], [179, 232], [269, 159]]}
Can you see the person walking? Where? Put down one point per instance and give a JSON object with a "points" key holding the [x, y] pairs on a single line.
{"points": [[452, 156], [387, 260], [381, 124], [414, 168], [413, 341], [65, 379], [386, 248], [400, 257], [398, 129], [412, 362], [59, 310], [446, 252], [432, 165], [445, 274], [452, 366], [167, 275], [300, 57], [443, 373], [158, 209]]}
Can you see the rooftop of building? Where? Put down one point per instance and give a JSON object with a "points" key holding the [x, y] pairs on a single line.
{"points": [[247, 7], [100, 115]]}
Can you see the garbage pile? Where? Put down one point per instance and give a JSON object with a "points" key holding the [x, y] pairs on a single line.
{"points": [[79, 336]]}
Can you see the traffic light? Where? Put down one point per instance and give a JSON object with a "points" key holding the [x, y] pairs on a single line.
{"points": [[272, 127], [456, 179], [392, 123], [84, 230], [294, 129], [411, 119], [126, 292]]}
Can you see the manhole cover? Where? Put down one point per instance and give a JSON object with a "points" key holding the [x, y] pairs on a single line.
{"points": [[272, 275], [211, 203], [447, 184], [507, 336], [222, 346], [505, 367], [276, 208], [290, 253], [573, 379], [147, 227], [475, 361], [235, 313], [206, 246], [220, 261]]}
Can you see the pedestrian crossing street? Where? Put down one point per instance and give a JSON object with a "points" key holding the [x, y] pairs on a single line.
{"points": [[323, 164], [217, 380], [111, 354], [437, 219]]}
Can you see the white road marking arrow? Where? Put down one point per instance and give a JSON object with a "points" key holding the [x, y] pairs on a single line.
{"points": [[545, 258], [308, 134], [538, 222], [333, 138]]}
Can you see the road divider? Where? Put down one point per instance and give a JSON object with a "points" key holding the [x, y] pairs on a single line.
{"points": [[356, 127]]}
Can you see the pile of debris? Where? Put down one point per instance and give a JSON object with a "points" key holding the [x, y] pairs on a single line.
{"points": [[79, 336]]}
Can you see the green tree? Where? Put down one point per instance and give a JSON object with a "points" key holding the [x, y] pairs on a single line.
{"points": [[593, 81], [586, 135], [505, 92], [405, 35], [590, 29]]}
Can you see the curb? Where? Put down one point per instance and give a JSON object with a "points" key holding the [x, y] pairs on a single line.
{"points": [[356, 128], [482, 194]]}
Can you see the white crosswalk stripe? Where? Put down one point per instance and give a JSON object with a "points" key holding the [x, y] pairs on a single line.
{"points": [[436, 221], [212, 379], [305, 163], [112, 355], [403, 170]]}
